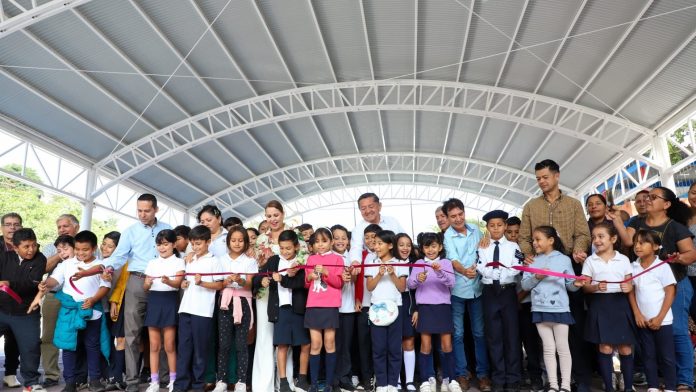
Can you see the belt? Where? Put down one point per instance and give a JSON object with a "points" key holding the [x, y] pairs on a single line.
{"points": [[502, 286], [137, 274]]}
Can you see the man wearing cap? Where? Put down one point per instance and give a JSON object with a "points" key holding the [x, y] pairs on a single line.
{"points": [[499, 296]]}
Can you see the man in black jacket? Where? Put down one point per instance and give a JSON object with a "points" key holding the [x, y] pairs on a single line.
{"points": [[20, 274]]}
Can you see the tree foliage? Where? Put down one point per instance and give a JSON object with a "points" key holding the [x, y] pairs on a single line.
{"points": [[39, 209]]}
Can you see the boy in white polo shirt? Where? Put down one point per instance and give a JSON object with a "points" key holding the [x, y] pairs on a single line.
{"points": [[80, 318], [196, 312]]}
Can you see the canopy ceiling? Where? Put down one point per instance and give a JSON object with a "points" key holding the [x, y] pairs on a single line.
{"points": [[237, 102]]}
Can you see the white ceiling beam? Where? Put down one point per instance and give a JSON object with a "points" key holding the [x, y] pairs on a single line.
{"points": [[33, 14]]}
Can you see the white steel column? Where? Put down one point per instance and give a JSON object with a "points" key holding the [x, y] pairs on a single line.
{"points": [[88, 205], [661, 156]]}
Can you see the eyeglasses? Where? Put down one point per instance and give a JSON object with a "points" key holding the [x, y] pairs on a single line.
{"points": [[18, 225], [653, 197]]}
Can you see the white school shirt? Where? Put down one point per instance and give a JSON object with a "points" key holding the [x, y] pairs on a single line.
{"points": [[614, 270], [284, 293], [240, 265], [160, 267], [370, 258], [348, 290], [650, 289], [386, 289], [88, 285], [507, 257], [198, 300]]}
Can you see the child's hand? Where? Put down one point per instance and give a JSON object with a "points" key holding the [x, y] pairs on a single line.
{"points": [[107, 275], [580, 283], [414, 319], [77, 274], [626, 287], [265, 282], [292, 271], [165, 279], [602, 286], [42, 286], [436, 266], [277, 277], [319, 269], [358, 305], [422, 276], [88, 303], [655, 323], [185, 284], [579, 257], [528, 260], [148, 281], [346, 276], [539, 276], [382, 270], [197, 279], [390, 270], [34, 304], [641, 321], [113, 310], [356, 268]]}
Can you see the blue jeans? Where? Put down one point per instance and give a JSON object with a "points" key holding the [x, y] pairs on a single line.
{"points": [[682, 342], [460, 306]]}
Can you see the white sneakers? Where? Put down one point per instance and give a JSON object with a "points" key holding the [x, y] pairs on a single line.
{"points": [[240, 387], [454, 386], [428, 386], [170, 387], [11, 381], [153, 387], [220, 386]]}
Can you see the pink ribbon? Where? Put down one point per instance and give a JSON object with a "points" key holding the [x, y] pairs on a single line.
{"points": [[11, 293]]}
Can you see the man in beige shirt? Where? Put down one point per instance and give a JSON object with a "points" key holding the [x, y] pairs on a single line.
{"points": [[566, 215]]}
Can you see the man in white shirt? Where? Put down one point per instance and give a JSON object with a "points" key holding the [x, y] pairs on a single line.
{"points": [[370, 209]]}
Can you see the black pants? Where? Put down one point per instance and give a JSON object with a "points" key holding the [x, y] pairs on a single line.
{"points": [[192, 352], [226, 330], [502, 334], [26, 329], [365, 346], [344, 340], [11, 354], [531, 342]]}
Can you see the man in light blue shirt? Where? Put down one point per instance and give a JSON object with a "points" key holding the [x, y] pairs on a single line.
{"points": [[137, 246], [461, 243]]}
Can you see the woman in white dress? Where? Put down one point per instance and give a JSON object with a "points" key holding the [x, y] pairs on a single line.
{"points": [[263, 374]]}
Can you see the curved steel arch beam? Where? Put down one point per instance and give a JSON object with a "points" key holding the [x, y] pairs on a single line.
{"points": [[361, 164], [534, 110], [398, 191], [32, 13], [241, 197]]}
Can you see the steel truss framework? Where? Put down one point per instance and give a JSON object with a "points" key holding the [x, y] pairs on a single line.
{"points": [[554, 115], [435, 165], [396, 191], [19, 14]]}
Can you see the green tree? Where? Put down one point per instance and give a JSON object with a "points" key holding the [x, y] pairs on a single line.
{"points": [[38, 209]]}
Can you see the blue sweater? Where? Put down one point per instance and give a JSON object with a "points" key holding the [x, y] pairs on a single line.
{"points": [[71, 318], [549, 294]]}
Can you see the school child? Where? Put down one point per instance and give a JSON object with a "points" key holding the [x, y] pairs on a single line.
{"points": [[386, 283], [651, 302], [287, 301], [362, 305], [609, 317], [80, 325], [500, 303], [196, 312], [182, 241], [405, 253], [164, 277], [236, 315], [20, 270], [346, 313], [117, 362], [529, 336], [321, 317], [432, 285], [550, 303]]}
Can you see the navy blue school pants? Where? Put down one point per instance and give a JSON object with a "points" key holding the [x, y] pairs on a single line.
{"points": [[386, 351], [192, 351], [87, 340], [500, 322], [344, 341], [657, 347], [364, 345], [531, 342], [27, 331]]}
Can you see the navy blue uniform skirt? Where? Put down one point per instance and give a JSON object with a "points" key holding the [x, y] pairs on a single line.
{"points": [[161, 309], [609, 319], [549, 317], [408, 308], [321, 318], [435, 319]]}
